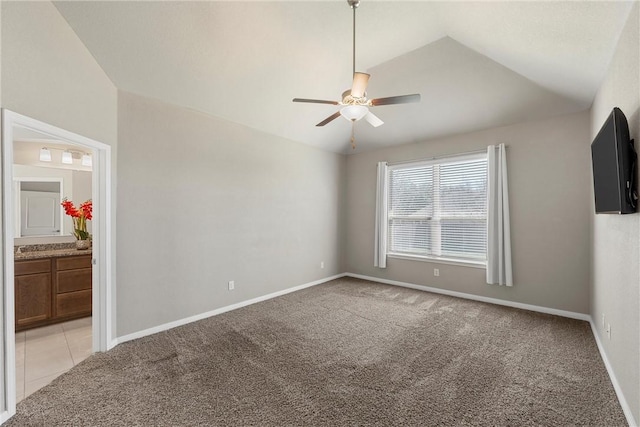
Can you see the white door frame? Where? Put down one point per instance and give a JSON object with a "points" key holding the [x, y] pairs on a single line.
{"points": [[102, 282]]}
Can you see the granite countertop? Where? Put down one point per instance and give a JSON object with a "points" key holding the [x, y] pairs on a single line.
{"points": [[48, 250]]}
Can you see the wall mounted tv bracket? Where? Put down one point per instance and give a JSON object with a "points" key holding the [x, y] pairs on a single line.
{"points": [[632, 193]]}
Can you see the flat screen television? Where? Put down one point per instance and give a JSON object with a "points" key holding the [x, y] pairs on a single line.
{"points": [[614, 160]]}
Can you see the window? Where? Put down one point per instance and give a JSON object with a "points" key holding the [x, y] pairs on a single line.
{"points": [[438, 208]]}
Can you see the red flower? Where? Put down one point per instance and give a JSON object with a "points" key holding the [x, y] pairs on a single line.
{"points": [[80, 217], [87, 208], [70, 209]]}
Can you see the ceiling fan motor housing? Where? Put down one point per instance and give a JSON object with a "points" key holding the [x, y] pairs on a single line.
{"points": [[347, 99]]}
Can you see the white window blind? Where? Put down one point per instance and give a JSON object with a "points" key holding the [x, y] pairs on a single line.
{"points": [[438, 208]]}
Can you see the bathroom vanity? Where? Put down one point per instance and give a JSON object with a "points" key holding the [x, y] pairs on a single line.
{"points": [[51, 286]]}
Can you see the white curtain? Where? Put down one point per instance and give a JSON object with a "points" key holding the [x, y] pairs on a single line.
{"points": [[380, 254], [499, 270]]}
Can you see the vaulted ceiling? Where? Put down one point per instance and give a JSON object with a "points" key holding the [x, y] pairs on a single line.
{"points": [[476, 64]]}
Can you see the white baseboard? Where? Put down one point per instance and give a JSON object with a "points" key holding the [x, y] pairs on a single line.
{"points": [[4, 416], [217, 311], [540, 309], [616, 385]]}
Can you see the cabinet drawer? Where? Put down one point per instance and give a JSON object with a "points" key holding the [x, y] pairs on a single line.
{"points": [[32, 267], [73, 280], [73, 262], [73, 303]]}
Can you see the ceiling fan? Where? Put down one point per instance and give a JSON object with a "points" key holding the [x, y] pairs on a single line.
{"points": [[354, 101]]}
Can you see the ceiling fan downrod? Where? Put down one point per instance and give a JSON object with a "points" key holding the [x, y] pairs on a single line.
{"points": [[354, 5]]}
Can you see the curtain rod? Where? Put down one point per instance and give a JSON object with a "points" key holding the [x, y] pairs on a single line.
{"points": [[436, 157]]}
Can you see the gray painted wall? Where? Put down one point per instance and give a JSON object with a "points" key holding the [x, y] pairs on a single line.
{"points": [[49, 75], [548, 165], [204, 201], [616, 238]]}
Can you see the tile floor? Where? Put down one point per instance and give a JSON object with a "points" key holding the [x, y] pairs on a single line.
{"points": [[43, 354]]}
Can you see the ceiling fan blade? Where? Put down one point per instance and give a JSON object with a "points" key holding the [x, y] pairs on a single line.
{"points": [[403, 99], [373, 119], [315, 101], [359, 86], [329, 119]]}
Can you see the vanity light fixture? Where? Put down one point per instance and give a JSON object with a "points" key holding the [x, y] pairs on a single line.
{"points": [[45, 155], [67, 157], [86, 160]]}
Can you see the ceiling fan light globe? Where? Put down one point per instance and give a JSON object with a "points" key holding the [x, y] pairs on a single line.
{"points": [[353, 113]]}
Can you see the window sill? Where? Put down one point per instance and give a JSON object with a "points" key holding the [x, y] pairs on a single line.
{"points": [[451, 261]]}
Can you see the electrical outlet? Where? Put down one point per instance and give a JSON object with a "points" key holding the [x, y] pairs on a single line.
{"points": [[232, 285], [608, 330], [436, 272], [604, 325], [321, 264]]}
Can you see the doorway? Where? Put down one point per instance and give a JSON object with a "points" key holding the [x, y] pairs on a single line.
{"points": [[99, 261], [53, 279]]}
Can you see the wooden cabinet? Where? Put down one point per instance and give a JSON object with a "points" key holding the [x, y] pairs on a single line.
{"points": [[52, 290], [32, 292]]}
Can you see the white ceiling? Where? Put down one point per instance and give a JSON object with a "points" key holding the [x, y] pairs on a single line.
{"points": [[476, 64]]}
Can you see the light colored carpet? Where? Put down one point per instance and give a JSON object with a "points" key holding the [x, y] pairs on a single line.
{"points": [[348, 352]]}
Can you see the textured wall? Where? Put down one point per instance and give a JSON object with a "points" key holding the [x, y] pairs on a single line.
{"points": [[549, 200], [616, 238], [49, 75], [204, 201]]}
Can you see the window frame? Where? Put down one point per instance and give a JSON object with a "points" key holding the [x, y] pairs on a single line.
{"points": [[443, 259]]}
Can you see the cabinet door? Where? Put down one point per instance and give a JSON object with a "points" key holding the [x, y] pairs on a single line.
{"points": [[33, 298]]}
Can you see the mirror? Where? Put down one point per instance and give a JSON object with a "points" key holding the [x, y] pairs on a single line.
{"points": [[41, 183], [38, 210]]}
